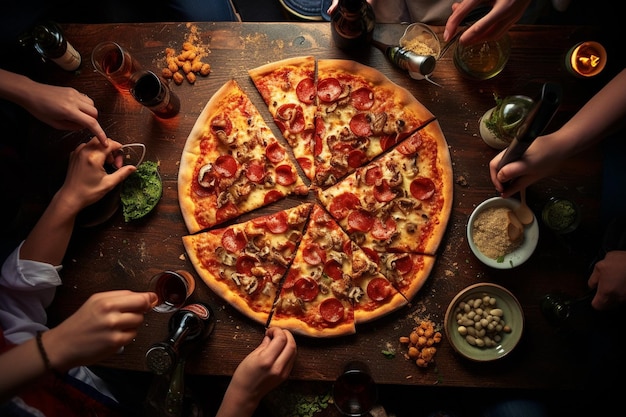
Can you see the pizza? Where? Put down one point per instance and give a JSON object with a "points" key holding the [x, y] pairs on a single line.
{"points": [[232, 163], [358, 186], [244, 263], [399, 202], [361, 114], [288, 89]]}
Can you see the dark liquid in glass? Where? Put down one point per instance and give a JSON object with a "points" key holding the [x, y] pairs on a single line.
{"points": [[112, 61], [172, 289], [152, 93], [354, 393]]}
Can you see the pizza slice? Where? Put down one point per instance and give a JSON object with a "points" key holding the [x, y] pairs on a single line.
{"points": [[332, 284], [407, 272], [232, 163], [400, 202], [288, 89], [244, 263], [361, 113]]}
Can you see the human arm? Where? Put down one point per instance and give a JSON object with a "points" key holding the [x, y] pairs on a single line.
{"points": [[85, 183], [503, 15], [261, 371], [60, 107], [103, 324], [609, 280], [600, 116]]}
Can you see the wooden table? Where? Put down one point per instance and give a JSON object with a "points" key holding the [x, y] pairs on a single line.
{"points": [[119, 255]]}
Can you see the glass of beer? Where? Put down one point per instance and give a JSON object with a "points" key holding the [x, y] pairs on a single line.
{"points": [[172, 288], [115, 63]]}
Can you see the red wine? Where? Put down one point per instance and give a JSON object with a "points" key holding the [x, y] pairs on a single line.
{"points": [[354, 392]]}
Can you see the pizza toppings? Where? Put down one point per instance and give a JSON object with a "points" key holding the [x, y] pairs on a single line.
{"points": [[379, 166]]}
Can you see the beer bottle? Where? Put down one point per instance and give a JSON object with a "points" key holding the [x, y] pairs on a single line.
{"points": [[49, 41], [352, 24], [192, 323]]}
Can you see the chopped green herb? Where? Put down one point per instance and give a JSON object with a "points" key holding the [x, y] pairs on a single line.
{"points": [[500, 259], [389, 354], [141, 191]]}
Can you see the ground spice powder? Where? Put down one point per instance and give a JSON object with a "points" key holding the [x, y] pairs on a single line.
{"points": [[490, 232]]}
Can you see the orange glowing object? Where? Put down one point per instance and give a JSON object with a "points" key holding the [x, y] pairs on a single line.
{"points": [[586, 59]]}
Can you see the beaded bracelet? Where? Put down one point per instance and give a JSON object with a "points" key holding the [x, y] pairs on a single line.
{"points": [[42, 351]]}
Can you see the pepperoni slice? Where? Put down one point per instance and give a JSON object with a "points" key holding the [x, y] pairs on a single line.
{"points": [[331, 310], [343, 204], [411, 145], [272, 195], [373, 175], [221, 123], [305, 90], [384, 230], [292, 116], [244, 264], [233, 241], [378, 289], [226, 166], [372, 254], [306, 164], [362, 98], [313, 254], [277, 223], [356, 158], [388, 141], [275, 153], [404, 264], [255, 171], [333, 269], [328, 89], [360, 220], [422, 188], [383, 192], [285, 175], [306, 289], [227, 211], [360, 125]]}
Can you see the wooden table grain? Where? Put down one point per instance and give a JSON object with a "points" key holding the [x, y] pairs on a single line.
{"points": [[118, 255]]}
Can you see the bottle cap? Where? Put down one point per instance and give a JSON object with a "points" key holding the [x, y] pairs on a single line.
{"points": [[160, 358], [421, 66]]}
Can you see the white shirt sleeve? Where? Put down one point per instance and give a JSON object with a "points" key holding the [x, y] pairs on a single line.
{"points": [[26, 289]]}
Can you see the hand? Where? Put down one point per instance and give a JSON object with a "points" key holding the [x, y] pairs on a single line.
{"points": [[503, 15], [261, 371], [86, 180], [609, 280], [541, 159], [103, 324], [65, 108]]}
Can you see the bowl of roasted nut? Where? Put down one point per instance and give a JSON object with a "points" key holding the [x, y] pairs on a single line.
{"points": [[497, 237], [484, 322]]}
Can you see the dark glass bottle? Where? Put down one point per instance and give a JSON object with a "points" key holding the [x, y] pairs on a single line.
{"points": [[352, 24], [49, 41], [193, 322]]}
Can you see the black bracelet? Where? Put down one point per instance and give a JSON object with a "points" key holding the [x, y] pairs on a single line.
{"points": [[42, 351]]}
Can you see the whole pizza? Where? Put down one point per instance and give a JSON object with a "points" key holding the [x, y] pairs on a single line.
{"points": [[373, 169]]}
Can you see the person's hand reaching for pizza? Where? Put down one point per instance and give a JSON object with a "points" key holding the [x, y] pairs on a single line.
{"points": [[63, 108], [261, 371]]}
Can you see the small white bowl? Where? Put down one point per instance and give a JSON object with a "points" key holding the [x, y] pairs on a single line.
{"points": [[513, 316], [519, 255]]}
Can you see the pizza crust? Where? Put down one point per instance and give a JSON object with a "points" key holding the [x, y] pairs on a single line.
{"points": [[375, 261]]}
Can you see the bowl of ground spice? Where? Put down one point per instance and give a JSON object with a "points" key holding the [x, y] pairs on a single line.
{"points": [[497, 238]]}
